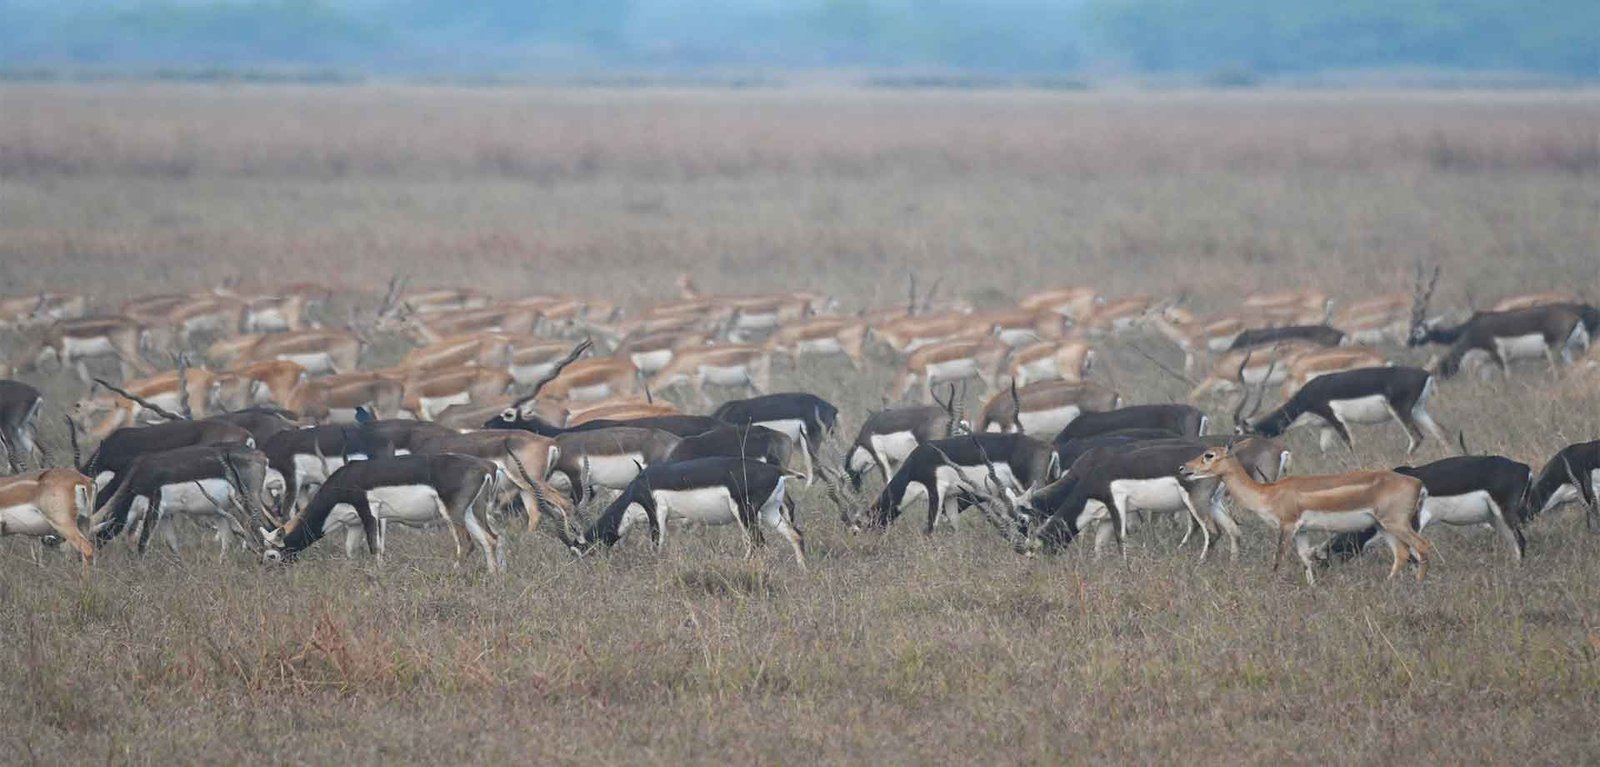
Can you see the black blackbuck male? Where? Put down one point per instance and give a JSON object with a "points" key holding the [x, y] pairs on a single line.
{"points": [[1338, 503], [223, 485], [1485, 490], [805, 418], [888, 436], [1571, 475], [452, 490], [954, 471], [1362, 396], [19, 415], [705, 491], [1547, 330]]}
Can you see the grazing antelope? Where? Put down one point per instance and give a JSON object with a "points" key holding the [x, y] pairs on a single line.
{"points": [[706, 491], [1182, 420], [211, 482], [736, 365], [1337, 503], [194, 389], [1362, 396], [1548, 331], [19, 416], [1571, 475], [607, 457], [300, 460], [805, 419], [110, 460], [48, 502], [523, 458], [320, 352], [21, 311], [337, 397], [1195, 337], [258, 383], [1068, 360], [1529, 300], [955, 468], [227, 351], [1044, 407], [414, 490], [1074, 303], [1484, 490], [73, 341], [276, 313], [821, 336], [758, 443], [888, 436], [956, 359]]}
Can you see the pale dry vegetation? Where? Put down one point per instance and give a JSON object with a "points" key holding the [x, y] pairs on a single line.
{"points": [[900, 648]]}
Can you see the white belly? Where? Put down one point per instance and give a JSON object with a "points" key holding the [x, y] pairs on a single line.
{"points": [[1017, 336], [1040, 369], [973, 478], [1569, 494], [954, 370], [766, 321], [527, 374], [185, 498], [266, 320], [24, 519], [1520, 347], [895, 446], [590, 393], [614, 471], [1353, 521], [791, 427], [1370, 409], [651, 362], [310, 469], [1467, 509], [1156, 495], [705, 506], [736, 375], [166, 400], [408, 504], [1220, 343], [430, 407], [98, 346], [315, 363], [820, 346], [1048, 422]]}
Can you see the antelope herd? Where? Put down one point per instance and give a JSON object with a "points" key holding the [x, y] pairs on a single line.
{"points": [[273, 424]]}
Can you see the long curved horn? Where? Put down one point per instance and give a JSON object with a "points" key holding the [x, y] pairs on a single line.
{"points": [[1016, 407], [572, 356], [1244, 389], [144, 403]]}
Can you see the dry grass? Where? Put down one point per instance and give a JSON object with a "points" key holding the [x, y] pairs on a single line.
{"points": [[894, 649]]}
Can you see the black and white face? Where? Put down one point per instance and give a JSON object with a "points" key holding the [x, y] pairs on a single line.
{"points": [[1418, 335]]}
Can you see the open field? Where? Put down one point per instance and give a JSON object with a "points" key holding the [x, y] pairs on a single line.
{"points": [[901, 648]]}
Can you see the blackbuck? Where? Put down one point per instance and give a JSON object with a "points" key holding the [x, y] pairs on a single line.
{"points": [[201, 313], [192, 390], [1550, 332], [595, 379], [337, 397], [19, 419], [1486, 490], [757, 443], [650, 352], [733, 365], [48, 502], [1108, 486], [426, 393], [437, 327], [1182, 420], [704, 492], [1068, 360], [1196, 336], [490, 350], [224, 485], [607, 458], [906, 334], [949, 361], [955, 470], [1571, 475], [421, 491], [431, 301], [1367, 396], [821, 337], [108, 464], [757, 314], [1043, 408], [24, 311], [1384, 319], [1120, 315], [320, 352], [1316, 335], [1542, 298], [888, 436], [258, 383], [1074, 303], [1021, 327], [1301, 301], [262, 421], [1070, 450], [277, 313], [300, 460], [524, 460], [1242, 369], [1338, 503], [72, 342], [1303, 367], [617, 409], [805, 419]]}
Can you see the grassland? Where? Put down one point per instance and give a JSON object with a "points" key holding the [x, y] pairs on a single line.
{"points": [[896, 649]]}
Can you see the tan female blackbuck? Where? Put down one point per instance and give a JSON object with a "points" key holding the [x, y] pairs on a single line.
{"points": [[1348, 502]]}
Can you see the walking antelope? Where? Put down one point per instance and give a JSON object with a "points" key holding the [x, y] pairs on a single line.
{"points": [[73, 341], [1548, 331], [650, 352], [1384, 319], [736, 365], [594, 379], [617, 409], [1337, 503], [1070, 450], [19, 416], [1571, 475], [413, 490], [956, 359], [706, 491], [1020, 327], [1120, 315], [1044, 407], [21, 311], [805, 419], [1241, 369], [906, 334], [1315, 335], [1360, 396], [821, 336], [1074, 303], [1464, 490], [1182, 420], [337, 397], [524, 460], [490, 350], [1528, 300], [48, 502], [944, 469], [318, 351], [426, 393], [608, 457], [1068, 360], [258, 383], [211, 482], [1303, 367], [888, 436], [440, 326], [1303, 302], [110, 460]]}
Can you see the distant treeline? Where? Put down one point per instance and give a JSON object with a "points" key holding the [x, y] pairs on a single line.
{"points": [[1228, 41]]}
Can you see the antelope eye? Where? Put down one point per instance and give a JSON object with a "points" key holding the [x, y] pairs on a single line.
{"points": [[509, 414]]}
